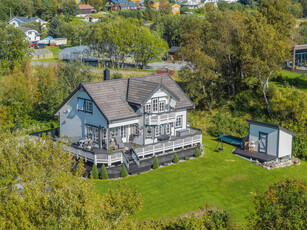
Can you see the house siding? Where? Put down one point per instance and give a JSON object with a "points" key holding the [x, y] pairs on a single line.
{"points": [[285, 144], [272, 142], [72, 123]]}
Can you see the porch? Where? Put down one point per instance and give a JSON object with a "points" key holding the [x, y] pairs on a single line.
{"points": [[131, 154], [262, 157]]}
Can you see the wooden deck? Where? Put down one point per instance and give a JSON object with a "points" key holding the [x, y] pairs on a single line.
{"points": [[254, 155]]}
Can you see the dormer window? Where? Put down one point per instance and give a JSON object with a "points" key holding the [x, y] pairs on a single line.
{"points": [[161, 106], [147, 108], [155, 105]]}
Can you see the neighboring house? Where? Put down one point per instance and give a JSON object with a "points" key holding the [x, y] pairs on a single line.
{"points": [[90, 19], [42, 54], [176, 9], [173, 53], [267, 141], [154, 4], [18, 21], [216, 1], [118, 5], [31, 35], [299, 57], [86, 9], [144, 116], [191, 4]]}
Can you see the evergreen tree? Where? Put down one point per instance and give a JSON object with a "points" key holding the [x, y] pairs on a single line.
{"points": [[155, 163], [175, 159], [94, 172], [104, 173], [197, 153], [123, 172], [53, 27]]}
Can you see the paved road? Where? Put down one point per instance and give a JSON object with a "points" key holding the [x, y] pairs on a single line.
{"points": [[153, 66]]}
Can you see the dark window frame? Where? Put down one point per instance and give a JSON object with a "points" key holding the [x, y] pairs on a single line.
{"points": [[84, 105]]}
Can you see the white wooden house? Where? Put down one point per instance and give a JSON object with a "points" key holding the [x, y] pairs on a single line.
{"points": [[18, 21], [149, 112], [270, 139], [31, 35]]}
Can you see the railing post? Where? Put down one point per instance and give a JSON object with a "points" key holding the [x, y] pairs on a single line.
{"points": [[121, 157], [109, 159], [173, 145], [163, 146], [183, 143], [95, 159], [153, 150], [143, 152]]}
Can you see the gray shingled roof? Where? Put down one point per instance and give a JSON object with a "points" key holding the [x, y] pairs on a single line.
{"points": [[111, 96], [26, 19], [138, 90]]}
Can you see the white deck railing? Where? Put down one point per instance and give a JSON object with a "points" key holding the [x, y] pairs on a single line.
{"points": [[157, 119], [171, 145]]}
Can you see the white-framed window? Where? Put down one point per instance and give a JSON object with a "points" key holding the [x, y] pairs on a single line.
{"points": [[80, 104], [92, 133], [154, 105], [88, 106], [158, 130], [167, 128], [123, 131], [178, 121], [161, 106], [148, 132], [147, 108]]}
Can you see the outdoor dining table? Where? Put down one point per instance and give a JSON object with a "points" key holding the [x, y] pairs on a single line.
{"points": [[83, 140]]}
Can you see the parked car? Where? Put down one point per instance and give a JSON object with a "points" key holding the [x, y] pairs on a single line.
{"points": [[34, 43], [40, 46]]}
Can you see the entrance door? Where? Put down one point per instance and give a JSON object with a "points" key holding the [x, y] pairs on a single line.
{"points": [[263, 142]]}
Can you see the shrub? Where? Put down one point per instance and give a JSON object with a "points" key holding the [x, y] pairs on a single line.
{"points": [[135, 145], [56, 132], [111, 149], [187, 158], [197, 153], [282, 206], [94, 172], [155, 163], [175, 159], [104, 173], [123, 172], [165, 164]]}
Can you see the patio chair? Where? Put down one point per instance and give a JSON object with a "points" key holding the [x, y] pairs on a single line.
{"points": [[119, 142]]}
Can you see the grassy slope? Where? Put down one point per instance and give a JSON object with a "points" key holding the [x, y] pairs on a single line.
{"points": [[218, 179]]}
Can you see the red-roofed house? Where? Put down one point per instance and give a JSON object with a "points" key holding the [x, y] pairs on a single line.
{"points": [[86, 9]]}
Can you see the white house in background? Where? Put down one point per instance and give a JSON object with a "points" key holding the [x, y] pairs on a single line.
{"points": [[270, 139], [18, 21], [191, 4], [31, 35], [90, 19], [216, 1], [144, 111]]}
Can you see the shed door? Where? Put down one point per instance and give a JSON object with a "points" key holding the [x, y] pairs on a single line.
{"points": [[263, 142]]}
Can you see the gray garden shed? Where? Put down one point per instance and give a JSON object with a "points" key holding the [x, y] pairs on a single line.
{"points": [[270, 139]]}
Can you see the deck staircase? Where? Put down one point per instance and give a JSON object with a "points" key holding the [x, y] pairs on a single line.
{"points": [[132, 163]]}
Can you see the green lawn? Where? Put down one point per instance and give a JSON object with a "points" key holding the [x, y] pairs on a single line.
{"points": [[297, 80], [218, 179]]}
